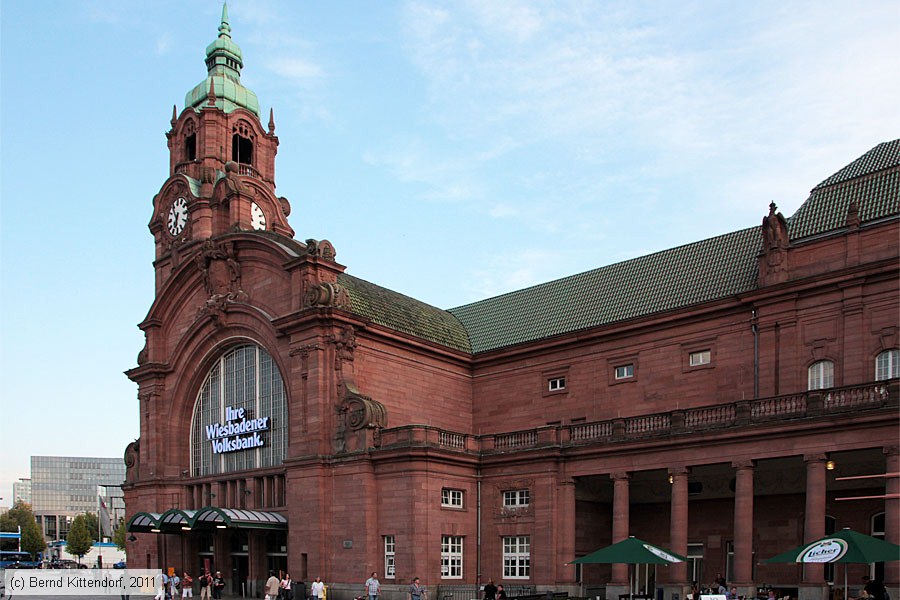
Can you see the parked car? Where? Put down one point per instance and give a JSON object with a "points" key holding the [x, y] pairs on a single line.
{"points": [[120, 565], [65, 563]]}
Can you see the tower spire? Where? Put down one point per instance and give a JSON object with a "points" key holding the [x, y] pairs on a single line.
{"points": [[225, 26], [224, 62]]}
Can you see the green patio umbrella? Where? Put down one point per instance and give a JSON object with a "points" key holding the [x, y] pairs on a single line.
{"points": [[631, 551], [845, 546]]}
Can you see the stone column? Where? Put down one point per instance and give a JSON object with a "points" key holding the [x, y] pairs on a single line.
{"points": [[565, 530], [678, 524], [743, 527], [620, 525], [892, 515], [814, 523]]}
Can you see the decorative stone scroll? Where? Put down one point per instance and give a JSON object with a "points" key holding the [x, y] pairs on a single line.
{"points": [[323, 249], [327, 295], [360, 421]]}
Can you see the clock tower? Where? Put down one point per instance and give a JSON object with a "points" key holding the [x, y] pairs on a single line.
{"points": [[221, 163]]}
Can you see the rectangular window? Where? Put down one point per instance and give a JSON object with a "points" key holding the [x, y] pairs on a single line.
{"points": [[389, 556], [516, 557], [556, 384], [451, 498], [695, 562], [703, 357], [451, 556], [625, 371], [516, 498]]}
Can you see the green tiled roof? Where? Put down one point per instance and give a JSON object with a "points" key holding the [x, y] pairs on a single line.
{"points": [[688, 275], [691, 274], [402, 313], [881, 157], [876, 197]]}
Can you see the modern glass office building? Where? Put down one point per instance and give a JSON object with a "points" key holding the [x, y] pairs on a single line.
{"points": [[65, 486]]}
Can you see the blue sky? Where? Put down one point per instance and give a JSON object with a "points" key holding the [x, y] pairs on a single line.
{"points": [[450, 151]]}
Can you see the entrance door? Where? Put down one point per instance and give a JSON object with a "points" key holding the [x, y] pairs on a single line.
{"points": [[277, 564], [239, 571]]}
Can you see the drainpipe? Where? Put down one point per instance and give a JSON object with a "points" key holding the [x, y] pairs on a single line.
{"points": [[478, 536], [754, 326]]}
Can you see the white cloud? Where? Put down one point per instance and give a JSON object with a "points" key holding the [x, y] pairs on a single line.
{"points": [[163, 43], [299, 70]]}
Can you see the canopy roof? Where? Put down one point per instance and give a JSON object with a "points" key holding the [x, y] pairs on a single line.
{"points": [[209, 517]]}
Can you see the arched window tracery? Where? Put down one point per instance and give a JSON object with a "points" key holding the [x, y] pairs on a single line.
{"points": [[240, 418]]}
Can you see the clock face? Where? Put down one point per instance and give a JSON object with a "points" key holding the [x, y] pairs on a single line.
{"points": [[257, 217], [178, 216]]}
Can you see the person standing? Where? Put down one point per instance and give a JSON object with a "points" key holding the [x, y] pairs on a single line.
{"points": [[416, 591], [205, 585], [187, 585], [272, 586], [373, 586], [501, 593], [317, 589], [287, 591], [218, 585], [490, 590], [174, 586]]}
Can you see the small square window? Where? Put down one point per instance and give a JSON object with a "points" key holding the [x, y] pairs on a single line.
{"points": [[556, 384], [625, 371], [703, 357], [451, 498]]}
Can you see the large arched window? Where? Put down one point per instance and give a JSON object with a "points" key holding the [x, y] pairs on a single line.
{"points": [[887, 365], [240, 418], [821, 375]]}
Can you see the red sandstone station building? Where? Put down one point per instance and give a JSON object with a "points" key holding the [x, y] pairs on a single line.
{"points": [[728, 399]]}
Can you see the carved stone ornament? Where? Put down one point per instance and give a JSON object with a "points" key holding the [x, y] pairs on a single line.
{"points": [[285, 206], [144, 353], [327, 294], [360, 421], [233, 182], [344, 343], [774, 230], [221, 274], [323, 249], [133, 461]]}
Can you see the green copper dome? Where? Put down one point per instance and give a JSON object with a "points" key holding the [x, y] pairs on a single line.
{"points": [[224, 63]]}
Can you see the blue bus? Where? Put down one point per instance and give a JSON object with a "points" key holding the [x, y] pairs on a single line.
{"points": [[14, 559]]}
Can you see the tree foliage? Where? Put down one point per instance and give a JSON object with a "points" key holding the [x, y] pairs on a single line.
{"points": [[20, 515], [120, 533], [79, 540], [92, 523]]}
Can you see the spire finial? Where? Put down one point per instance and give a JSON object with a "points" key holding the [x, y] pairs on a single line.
{"points": [[174, 116], [211, 96], [271, 120], [224, 26]]}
